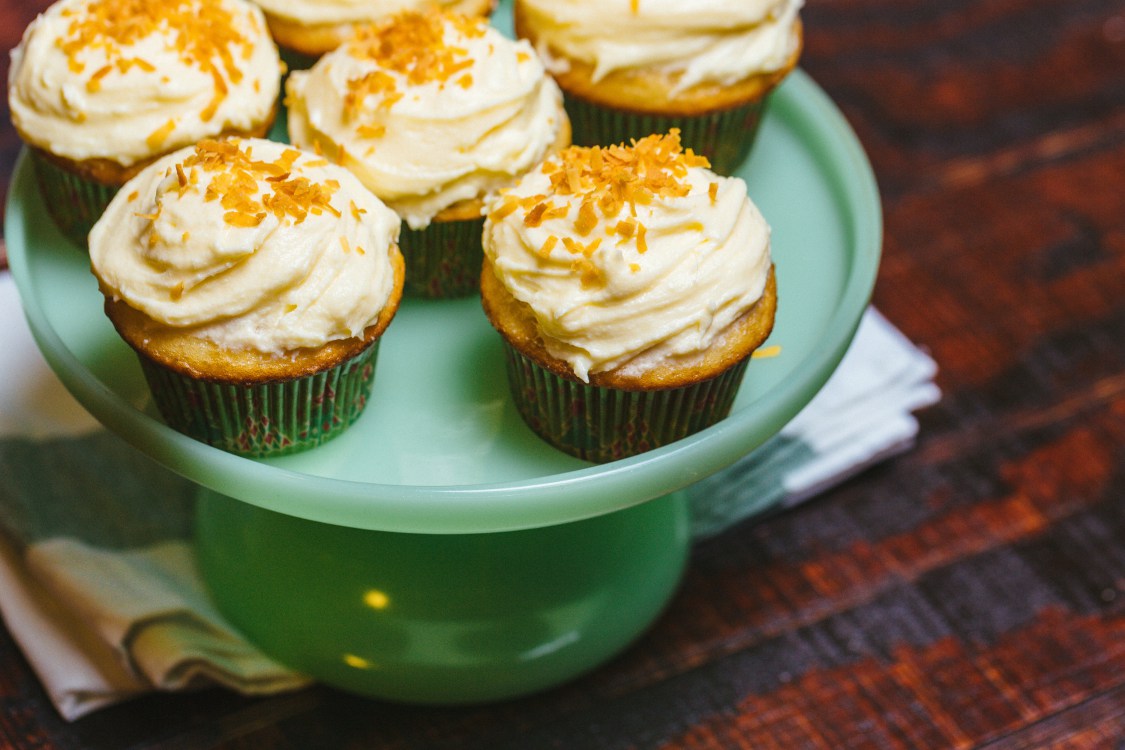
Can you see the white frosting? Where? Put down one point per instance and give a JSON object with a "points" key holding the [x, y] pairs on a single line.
{"points": [[443, 141], [331, 12], [705, 41], [63, 102], [287, 282], [703, 263]]}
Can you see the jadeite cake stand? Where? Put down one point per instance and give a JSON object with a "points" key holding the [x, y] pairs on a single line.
{"points": [[437, 551]]}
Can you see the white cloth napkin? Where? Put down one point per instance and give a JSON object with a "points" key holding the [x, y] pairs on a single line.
{"points": [[863, 415], [98, 582]]}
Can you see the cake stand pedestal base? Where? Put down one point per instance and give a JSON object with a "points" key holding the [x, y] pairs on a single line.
{"points": [[441, 618]]}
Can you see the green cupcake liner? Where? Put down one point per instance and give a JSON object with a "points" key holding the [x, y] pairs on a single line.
{"points": [[268, 419], [444, 259], [295, 60], [725, 137], [73, 202], [604, 424]]}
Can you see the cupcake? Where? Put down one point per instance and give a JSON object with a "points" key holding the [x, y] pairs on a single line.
{"points": [[307, 29], [629, 68], [98, 89], [630, 285], [432, 111], [254, 281]]}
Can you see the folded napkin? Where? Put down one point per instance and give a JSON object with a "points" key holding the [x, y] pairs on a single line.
{"points": [[98, 582], [863, 415]]}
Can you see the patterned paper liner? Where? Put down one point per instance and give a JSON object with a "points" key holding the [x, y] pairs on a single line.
{"points": [[72, 201], [444, 259], [604, 424], [725, 137], [269, 419]]}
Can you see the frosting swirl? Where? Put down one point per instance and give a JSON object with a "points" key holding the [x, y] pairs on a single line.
{"points": [[126, 80], [250, 244], [427, 109], [705, 41], [628, 257]]}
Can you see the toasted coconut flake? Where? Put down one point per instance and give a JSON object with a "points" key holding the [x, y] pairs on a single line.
{"points": [[534, 217], [158, 136], [243, 219], [767, 352], [94, 84], [587, 219], [588, 273], [548, 245], [371, 131], [506, 208]]}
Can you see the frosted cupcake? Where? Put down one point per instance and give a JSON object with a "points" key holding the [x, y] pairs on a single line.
{"points": [[630, 285], [254, 282], [432, 111], [100, 88], [310, 28], [634, 67]]}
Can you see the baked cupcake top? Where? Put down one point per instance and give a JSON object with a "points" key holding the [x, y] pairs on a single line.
{"points": [[250, 244], [126, 80], [703, 41], [428, 109], [628, 257], [332, 12]]}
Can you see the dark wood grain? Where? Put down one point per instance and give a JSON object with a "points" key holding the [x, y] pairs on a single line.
{"points": [[968, 594]]}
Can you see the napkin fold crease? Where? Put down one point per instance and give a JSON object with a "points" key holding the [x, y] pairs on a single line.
{"points": [[106, 609]]}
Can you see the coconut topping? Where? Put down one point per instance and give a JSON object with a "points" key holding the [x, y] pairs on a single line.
{"points": [[413, 45], [604, 180], [238, 179], [201, 32]]}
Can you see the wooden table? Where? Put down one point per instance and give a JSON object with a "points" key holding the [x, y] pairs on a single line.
{"points": [[968, 594]]}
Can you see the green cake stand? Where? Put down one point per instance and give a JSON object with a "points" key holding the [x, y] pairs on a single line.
{"points": [[438, 551]]}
